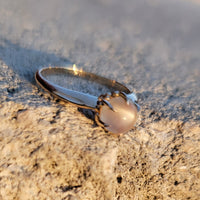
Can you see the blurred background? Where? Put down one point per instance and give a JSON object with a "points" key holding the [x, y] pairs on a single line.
{"points": [[152, 46]]}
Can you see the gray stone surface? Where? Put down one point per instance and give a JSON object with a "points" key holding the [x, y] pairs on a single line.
{"points": [[51, 150]]}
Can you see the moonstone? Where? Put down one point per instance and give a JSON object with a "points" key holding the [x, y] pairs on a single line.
{"points": [[122, 118]]}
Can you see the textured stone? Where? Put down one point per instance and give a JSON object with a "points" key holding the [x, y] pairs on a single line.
{"points": [[51, 150]]}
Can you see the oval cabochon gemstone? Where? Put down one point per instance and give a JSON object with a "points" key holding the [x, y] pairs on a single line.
{"points": [[122, 118]]}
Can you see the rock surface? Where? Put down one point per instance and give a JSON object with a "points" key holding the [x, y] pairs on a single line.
{"points": [[50, 149]]}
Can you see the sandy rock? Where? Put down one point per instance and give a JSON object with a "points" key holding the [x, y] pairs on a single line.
{"points": [[52, 150]]}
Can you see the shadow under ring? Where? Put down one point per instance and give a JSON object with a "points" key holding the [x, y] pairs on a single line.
{"points": [[115, 111]]}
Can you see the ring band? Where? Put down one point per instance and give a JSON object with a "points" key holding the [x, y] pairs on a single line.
{"points": [[115, 111]]}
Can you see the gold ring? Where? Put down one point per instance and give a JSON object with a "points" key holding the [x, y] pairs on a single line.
{"points": [[115, 111]]}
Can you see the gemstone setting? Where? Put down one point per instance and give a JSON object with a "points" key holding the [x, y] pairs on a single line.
{"points": [[116, 112]]}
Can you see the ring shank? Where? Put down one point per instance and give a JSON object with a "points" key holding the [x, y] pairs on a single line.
{"points": [[78, 98]]}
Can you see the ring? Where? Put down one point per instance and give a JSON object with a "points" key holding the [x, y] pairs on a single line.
{"points": [[115, 111]]}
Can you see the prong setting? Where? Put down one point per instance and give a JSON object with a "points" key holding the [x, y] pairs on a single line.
{"points": [[106, 102], [116, 112]]}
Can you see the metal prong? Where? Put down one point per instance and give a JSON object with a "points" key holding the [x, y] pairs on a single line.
{"points": [[106, 125], [132, 96], [115, 94], [108, 95], [123, 94], [100, 98], [137, 105], [99, 122], [108, 104]]}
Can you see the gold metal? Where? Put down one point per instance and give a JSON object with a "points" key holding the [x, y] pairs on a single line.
{"points": [[82, 99]]}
